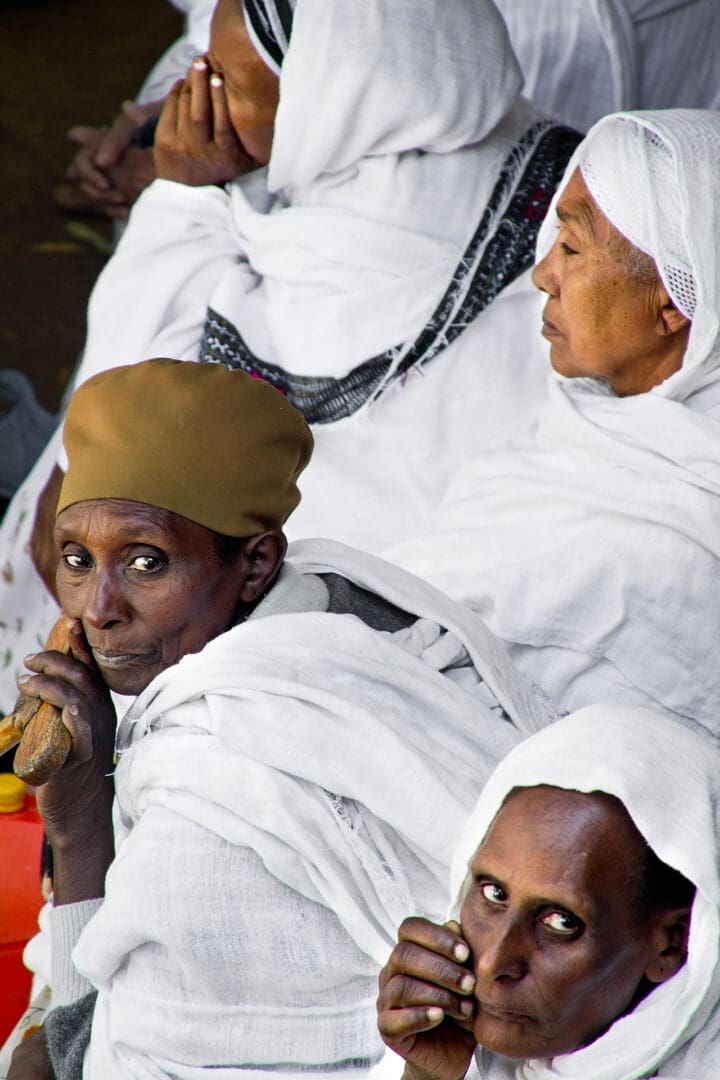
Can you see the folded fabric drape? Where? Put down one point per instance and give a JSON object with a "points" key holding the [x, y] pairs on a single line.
{"points": [[287, 796], [592, 544]]}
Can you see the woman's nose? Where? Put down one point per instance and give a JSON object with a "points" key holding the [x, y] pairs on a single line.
{"points": [[544, 276], [104, 604], [502, 953]]}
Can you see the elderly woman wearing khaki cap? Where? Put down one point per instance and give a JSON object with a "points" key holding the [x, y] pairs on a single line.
{"points": [[307, 736]]}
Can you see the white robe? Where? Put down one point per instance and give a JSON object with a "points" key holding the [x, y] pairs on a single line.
{"points": [[591, 544], [285, 797], [583, 59]]}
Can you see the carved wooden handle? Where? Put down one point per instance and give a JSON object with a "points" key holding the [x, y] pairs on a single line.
{"points": [[9, 734], [44, 740]]}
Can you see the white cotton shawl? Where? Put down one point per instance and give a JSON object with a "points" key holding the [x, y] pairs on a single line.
{"points": [[174, 63], [667, 778], [583, 59], [369, 166], [346, 761], [382, 164], [592, 545]]}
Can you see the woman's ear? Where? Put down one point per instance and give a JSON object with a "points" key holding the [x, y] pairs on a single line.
{"points": [[670, 942], [262, 556], [669, 319]]}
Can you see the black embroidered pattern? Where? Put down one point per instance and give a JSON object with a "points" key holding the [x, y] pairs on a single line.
{"points": [[525, 195], [256, 11]]}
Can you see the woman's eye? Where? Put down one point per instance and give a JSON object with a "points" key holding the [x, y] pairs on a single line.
{"points": [[147, 564], [561, 922], [492, 892], [566, 249], [75, 561]]}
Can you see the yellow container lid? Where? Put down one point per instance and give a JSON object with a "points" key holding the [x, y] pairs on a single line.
{"points": [[12, 793]]}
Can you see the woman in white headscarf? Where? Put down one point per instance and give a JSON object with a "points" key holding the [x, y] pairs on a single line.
{"points": [[592, 544], [649, 853], [367, 257]]}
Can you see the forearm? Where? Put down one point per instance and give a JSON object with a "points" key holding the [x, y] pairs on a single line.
{"points": [[80, 863]]}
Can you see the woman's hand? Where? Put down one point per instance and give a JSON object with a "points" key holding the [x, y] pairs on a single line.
{"points": [[425, 1006], [108, 172], [76, 802], [195, 142], [30, 1060]]}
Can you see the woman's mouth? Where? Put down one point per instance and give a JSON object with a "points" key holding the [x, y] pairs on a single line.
{"points": [[509, 1016], [115, 659], [549, 329]]}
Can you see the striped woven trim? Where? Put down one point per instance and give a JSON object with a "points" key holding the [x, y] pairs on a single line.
{"points": [[492, 260], [269, 23]]}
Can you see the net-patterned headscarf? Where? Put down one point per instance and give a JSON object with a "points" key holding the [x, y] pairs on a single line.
{"points": [[269, 24], [655, 177]]}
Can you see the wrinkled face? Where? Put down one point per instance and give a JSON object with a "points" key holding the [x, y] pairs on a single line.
{"points": [[252, 90], [600, 322], [551, 921], [147, 584]]}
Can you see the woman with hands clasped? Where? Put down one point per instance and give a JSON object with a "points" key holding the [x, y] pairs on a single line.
{"points": [[218, 122], [587, 940]]}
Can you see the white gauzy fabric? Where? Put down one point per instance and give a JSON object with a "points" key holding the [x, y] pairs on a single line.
{"points": [[174, 63], [592, 544], [286, 796], [327, 265], [668, 779], [583, 59], [368, 205]]}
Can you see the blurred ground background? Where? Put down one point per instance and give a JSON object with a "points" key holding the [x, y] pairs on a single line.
{"points": [[65, 62]]}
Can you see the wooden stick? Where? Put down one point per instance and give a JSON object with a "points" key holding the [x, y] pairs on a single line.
{"points": [[44, 740], [9, 734]]}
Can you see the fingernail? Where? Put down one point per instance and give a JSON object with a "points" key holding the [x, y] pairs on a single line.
{"points": [[73, 710], [461, 952], [467, 983], [22, 679], [434, 1014], [199, 64], [216, 80], [466, 1008], [29, 658]]}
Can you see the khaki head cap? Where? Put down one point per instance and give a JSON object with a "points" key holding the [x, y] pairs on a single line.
{"points": [[213, 445]]}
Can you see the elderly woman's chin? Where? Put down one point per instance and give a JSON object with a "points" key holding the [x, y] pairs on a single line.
{"points": [[127, 675], [518, 1036]]}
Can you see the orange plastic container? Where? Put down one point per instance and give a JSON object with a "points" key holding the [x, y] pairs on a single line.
{"points": [[21, 832]]}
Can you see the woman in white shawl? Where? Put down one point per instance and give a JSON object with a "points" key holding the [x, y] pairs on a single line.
{"points": [[592, 545], [584, 885], [291, 768], [384, 245]]}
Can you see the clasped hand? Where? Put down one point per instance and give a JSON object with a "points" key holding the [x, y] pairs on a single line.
{"points": [[195, 141], [425, 1005], [76, 800]]}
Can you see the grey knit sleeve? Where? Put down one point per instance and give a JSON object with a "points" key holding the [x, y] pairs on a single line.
{"points": [[67, 1031]]}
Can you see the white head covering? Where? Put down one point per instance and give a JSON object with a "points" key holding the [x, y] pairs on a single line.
{"points": [[381, 166], [668, 779], [655, 177], [592, 543]]}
